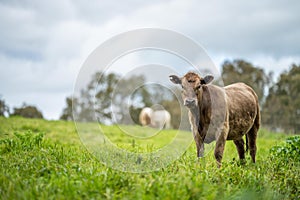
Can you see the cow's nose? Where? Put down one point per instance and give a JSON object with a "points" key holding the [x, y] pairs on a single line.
{"points": [[189, 102]]}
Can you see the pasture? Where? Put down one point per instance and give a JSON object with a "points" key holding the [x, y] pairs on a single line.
{"points": [[46, 160]]}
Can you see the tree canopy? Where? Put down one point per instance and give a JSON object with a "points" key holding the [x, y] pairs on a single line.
{"points": [[111, 99], [67, 113], [282, 106], [243, 71], [4, 109], [27, 111], [106, 98]]}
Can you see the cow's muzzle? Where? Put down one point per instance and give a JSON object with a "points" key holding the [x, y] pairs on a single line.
{"points": [[190, 102]]}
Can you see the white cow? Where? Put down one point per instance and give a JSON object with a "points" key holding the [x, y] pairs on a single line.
{"points": [[145, 116], [157, 119], [161, 119]]}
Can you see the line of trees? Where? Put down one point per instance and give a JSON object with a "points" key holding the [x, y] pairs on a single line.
{"points": [[242, 71], [107, 100], [281, 109], [110, 99], [279, 100]]}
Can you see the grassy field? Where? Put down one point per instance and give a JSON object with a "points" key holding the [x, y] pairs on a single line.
{"points": [[46, 160]]}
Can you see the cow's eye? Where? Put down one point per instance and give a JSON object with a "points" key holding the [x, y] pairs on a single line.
{"points": [[197, 88]]}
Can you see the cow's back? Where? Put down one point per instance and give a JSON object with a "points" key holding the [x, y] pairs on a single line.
{"points": [[160, 118], [242, 104]]}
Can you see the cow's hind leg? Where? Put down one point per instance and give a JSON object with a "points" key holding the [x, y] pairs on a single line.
{"points": [[240, 148], [252, 135]]}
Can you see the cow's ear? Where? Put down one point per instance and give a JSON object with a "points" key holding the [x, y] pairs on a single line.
{"points": [[175, 79], [207, 79]]}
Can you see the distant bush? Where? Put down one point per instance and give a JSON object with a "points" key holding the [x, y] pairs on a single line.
{"points": [[27, 111]]}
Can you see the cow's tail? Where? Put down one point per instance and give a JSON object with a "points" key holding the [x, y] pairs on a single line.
{"points": [[247, 145], [254, 129]]}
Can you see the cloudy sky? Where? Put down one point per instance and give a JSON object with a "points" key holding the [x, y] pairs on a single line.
{"points": [[43, 44]]}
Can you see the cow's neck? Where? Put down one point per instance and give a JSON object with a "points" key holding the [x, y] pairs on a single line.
{"points": [[196, 111]]}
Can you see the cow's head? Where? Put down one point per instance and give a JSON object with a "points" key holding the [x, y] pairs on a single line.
{"points": [[191, 84]]}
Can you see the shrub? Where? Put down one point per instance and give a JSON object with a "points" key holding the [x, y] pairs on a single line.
{"points": [[289, 151], [284, 168]]}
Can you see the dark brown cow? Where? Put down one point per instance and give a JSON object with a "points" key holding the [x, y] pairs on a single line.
{"points": [[220, 114]]}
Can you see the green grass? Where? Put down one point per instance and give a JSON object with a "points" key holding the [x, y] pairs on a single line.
{"points": [[46, 160]]}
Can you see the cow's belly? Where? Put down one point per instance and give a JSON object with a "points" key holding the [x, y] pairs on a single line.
{"points": [[240, 126]]}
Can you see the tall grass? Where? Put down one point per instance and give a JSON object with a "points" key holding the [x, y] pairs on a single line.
{"points": [[45, 160]]}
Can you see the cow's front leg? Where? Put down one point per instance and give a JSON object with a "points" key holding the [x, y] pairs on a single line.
{"points": [[219, 150], [220, 145], [201, 150], [199, 145]]}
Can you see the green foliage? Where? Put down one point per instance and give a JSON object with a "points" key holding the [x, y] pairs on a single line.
{"points": [[27, 111], [285, 167], [289, 151], [45, 160]]}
